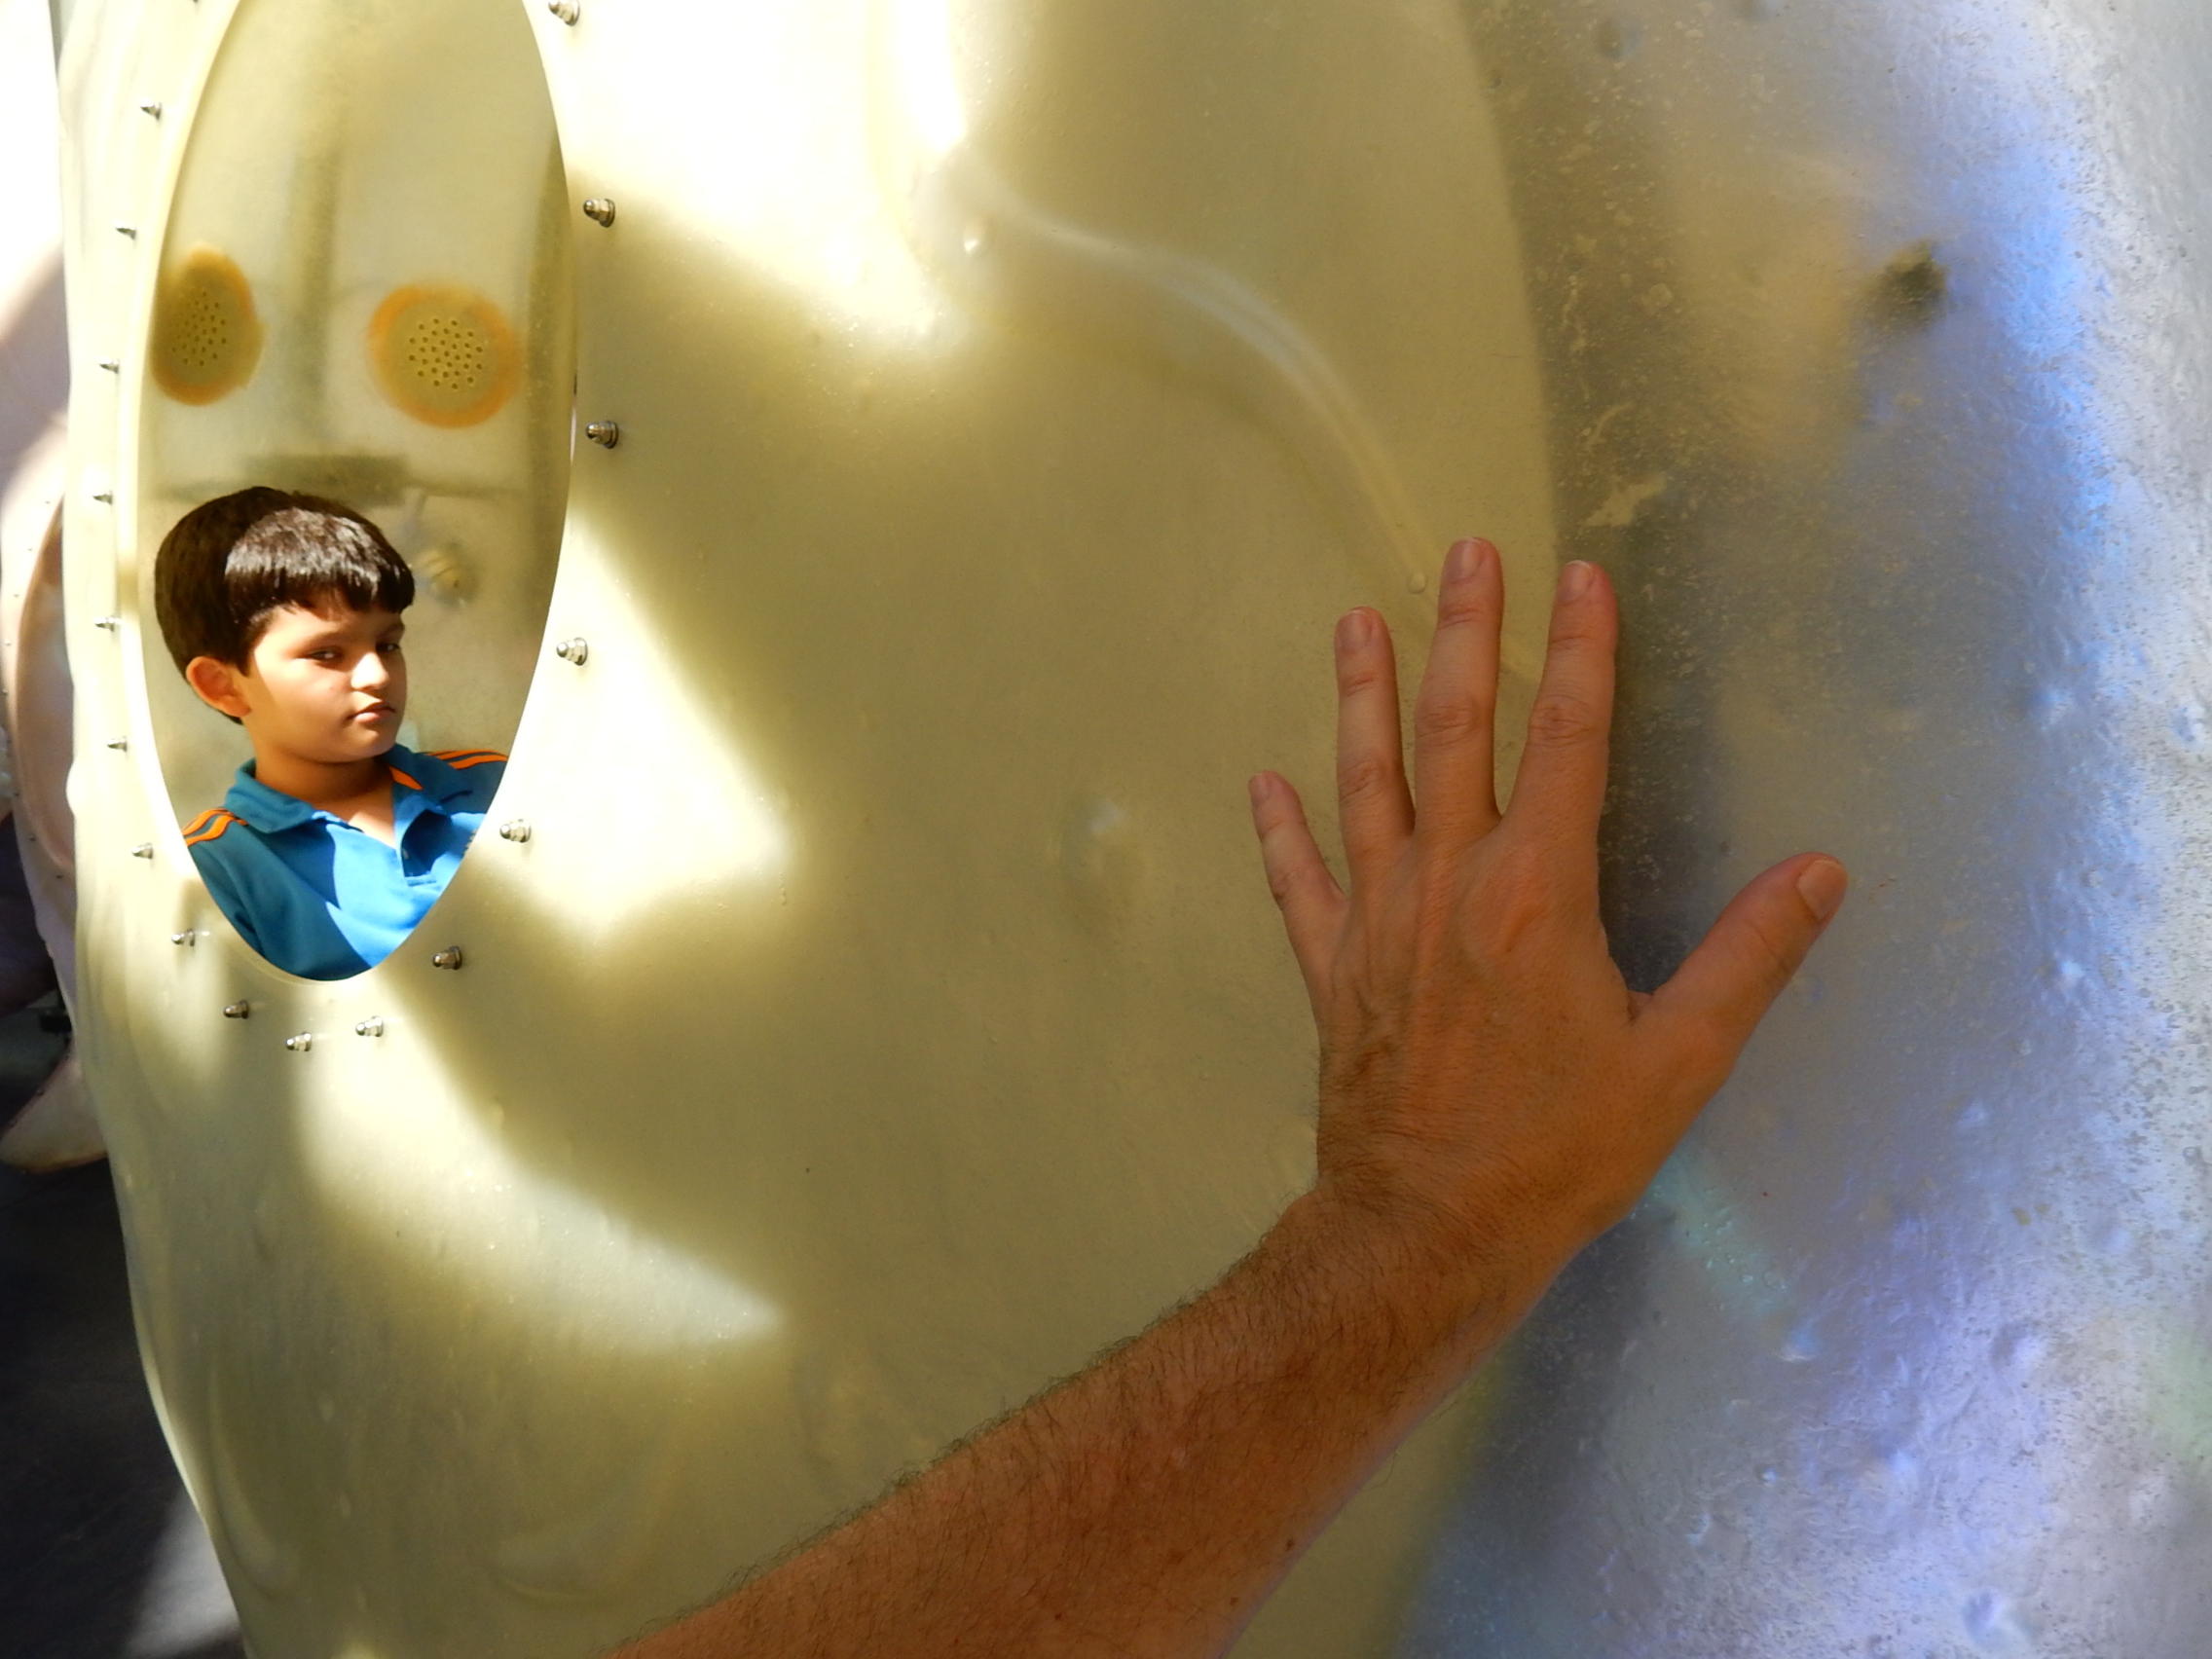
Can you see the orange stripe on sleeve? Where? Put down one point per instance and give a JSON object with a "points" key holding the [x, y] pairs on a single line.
{"points": [[475, 761], [467, 756], [201, 822]]}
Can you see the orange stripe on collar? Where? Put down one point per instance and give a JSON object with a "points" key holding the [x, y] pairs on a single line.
{"points": [[399, 777], [214, 833]]}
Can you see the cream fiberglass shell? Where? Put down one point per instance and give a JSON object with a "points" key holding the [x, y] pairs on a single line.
{"points": [[885, 1012], [363, 292]]}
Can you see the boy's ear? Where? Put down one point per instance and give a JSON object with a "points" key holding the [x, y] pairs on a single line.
{"points": [[217, 684]]}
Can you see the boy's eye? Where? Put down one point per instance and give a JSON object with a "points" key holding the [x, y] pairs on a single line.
{"points": [[391, 647]]}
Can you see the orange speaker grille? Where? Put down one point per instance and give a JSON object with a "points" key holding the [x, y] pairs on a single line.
{"points": [[206, 334], [442, 354]]}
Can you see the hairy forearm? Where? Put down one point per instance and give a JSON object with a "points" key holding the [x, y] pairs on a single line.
{"points": [[1147, 1506]]}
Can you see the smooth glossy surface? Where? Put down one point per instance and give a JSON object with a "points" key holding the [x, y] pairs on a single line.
{"points": [[886, 1013]]}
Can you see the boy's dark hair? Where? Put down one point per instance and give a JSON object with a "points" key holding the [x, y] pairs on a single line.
{"points": [[231, 564]]}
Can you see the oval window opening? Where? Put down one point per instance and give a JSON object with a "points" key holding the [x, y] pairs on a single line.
{"points": [[353, 458]]}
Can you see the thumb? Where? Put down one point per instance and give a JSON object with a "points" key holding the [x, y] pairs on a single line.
{"points": [[1729, 981]]}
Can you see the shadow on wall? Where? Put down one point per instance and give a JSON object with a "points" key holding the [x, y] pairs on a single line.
{"points": [[34, 370]]}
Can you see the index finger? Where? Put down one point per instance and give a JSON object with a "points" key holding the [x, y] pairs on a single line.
{"points": [[1561, 790]]}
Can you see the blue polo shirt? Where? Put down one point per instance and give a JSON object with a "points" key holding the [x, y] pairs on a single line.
{"points": [[321, 899]]}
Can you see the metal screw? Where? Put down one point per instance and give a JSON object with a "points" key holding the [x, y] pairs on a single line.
{"points": [[599, 210], [143, 849], [107, 495], [113, 365], [237, 1009], [189, 935], [605, 433], [110, 623], [120, 743], [373, 1026], [568, 11], [131, 231], [301, 1044], [152, 109], [514, 829], [572, 650], [450, 957]]}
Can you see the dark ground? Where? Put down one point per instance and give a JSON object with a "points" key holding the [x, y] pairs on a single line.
{"points": [[101, 1555]]}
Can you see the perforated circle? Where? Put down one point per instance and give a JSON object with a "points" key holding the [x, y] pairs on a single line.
{"points": [[207, 335], [442, 354]]}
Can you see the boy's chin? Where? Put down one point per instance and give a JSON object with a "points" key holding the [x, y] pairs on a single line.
{"points": [[367, 741]]}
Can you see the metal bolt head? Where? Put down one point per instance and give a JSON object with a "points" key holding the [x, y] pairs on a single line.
{"points": [[143, 849], [568, 11], [189, 935], [514, 829], [373, 1026], [237, 1009], [131, 231], [572, 650], [450, 957], [301, 1044], [605, 433], [110, 623], [107, 495], [152, 109], [599, 210], [113, 365], [119, 743]]}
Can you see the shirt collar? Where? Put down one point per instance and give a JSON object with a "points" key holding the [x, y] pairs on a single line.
{"points": [[418, 782]]}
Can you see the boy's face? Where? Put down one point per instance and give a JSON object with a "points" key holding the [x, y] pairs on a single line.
{"points": [[324, 685]]}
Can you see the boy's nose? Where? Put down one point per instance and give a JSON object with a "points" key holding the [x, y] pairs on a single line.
{"points": [[371, 673]]}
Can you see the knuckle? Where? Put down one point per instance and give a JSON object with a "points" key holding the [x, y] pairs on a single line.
{"points": [[1766, 954], [1449, 721], [1561, 719], [1575, 633], [1358, 677], [1365, 778], [1461, 610]]}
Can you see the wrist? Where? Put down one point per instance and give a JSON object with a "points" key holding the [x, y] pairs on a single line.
{"points": [[1441, 1291]]}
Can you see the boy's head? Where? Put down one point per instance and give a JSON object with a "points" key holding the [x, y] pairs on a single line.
{"points": [[283, 611]]}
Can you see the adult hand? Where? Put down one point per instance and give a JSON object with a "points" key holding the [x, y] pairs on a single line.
{"points": [[1491, 1097], [1491, 1087]]}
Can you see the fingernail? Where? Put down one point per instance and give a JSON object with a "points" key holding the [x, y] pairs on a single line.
{"points": [[1262, 787], [1574, 580], [1465, 560], [1352, 630], [1823, 884]]}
